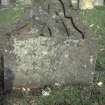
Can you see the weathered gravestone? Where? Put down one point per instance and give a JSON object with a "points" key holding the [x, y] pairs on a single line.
{"points": [[55, 48], [86, 4], [4, 2], [99, 2]]}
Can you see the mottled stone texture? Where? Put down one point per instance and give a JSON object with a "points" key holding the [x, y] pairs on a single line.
{"points": [[51, 49]]}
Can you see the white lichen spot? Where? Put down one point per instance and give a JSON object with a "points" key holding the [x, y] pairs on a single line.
{"points": [[66, 55], [28, 89], [54, 16], [91, 59], [85, 66], [102, 49], [92, 73], [36, 18], [61, 13], [45, 93], [57, 84], [91, 25], [23, 89], [44, 52], [75, 41], [100, 84], [74, 1], [6, 50], [40, 9], [25, 52], [36, 30]]}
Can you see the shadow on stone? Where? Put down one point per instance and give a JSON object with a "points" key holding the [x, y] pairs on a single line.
{"points": [[8, 80]]}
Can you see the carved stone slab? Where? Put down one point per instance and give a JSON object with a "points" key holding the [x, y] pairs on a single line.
{"points": [[55, 48], [45, 60]]}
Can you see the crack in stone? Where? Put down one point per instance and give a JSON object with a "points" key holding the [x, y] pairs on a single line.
{"points": [[71, 19]]}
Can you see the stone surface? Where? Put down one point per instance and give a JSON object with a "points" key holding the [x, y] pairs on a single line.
{"points": [[50, 50], [5, 2], [26, 2], [43, 60], [86, 4], [99, 2]]}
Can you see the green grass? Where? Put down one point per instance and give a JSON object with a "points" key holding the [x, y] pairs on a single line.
{"points": [[72, 95], [10, 15], [97, 18]]}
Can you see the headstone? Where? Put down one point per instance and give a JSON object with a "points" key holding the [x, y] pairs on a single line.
{"points": [[5, 2], [98, 2], [86, 4], [75, 3], [55, 48]]}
